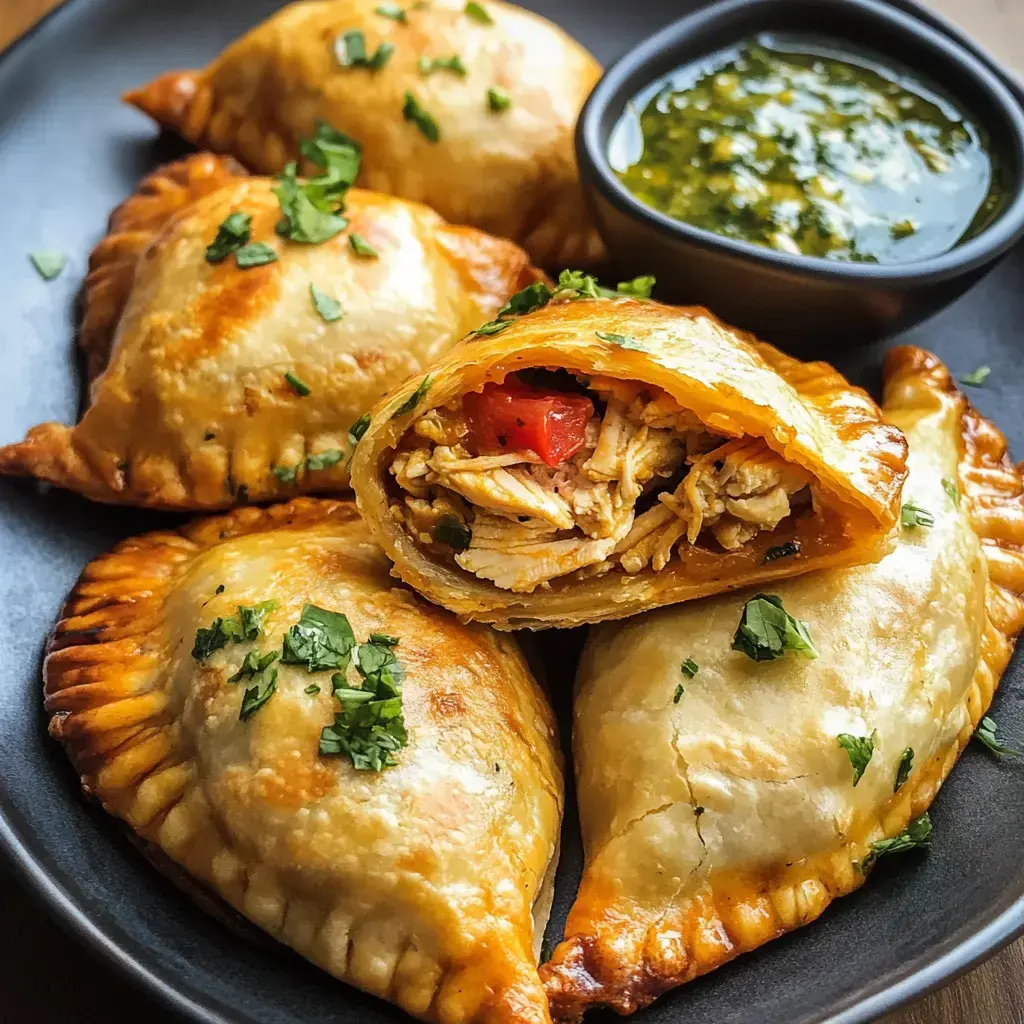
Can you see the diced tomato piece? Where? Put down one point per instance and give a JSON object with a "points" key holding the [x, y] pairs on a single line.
{"points": [[513, 416]]}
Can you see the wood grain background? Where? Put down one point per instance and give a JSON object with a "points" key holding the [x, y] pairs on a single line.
{"points": [[46, 978]]}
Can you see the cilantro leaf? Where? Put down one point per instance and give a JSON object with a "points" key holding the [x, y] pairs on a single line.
{"points": [[527, 299], [640, 287], [766, 631], [498, 100], [986, 734], [209, 639], [337, 153], [328, 307], [286, 474], [478, 13], [254, 697], [976, 378], [492, 327], [414, 399], [247, 625], [392, 11], [678, 694], [916, 836], [912, 515], [253, 664], [309, 210], [790, 548], [312, 689], [324, 460], [48, 263], [689, 668], [232, 234], [585, 285], [412, 111], [321, 640], [255, 254], [904, 768], [299, 386], [860, 750], [449, 530], [428, 65], [350, 52], [356, 431], [361, 247]]}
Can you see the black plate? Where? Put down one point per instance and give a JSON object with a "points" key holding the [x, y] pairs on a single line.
{"points": [[68, 153]]}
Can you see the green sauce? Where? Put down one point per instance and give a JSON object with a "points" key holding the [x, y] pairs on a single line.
{"points": [[786, 144]]}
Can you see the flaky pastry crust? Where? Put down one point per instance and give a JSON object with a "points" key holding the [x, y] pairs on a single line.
{"points": [[511, 172], [737, 385], [192, 408], [415, 883], [737, 820]]}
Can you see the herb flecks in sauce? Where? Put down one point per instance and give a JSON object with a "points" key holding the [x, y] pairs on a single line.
{"points": [[809, 153]]}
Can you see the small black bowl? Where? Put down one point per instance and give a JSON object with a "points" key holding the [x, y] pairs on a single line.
{"points": [[801, 302]]}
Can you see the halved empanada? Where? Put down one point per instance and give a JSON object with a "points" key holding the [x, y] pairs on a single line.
{"points": [[469, 108], [719, 806], [201, 366], [415, 882], [600, 457]]}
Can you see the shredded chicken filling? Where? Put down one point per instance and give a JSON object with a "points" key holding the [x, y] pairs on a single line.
{"points": [[520, 523]]}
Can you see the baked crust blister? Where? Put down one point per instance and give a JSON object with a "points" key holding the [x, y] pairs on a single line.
{"points": [[738, 820], [190, 407], [511, 172], [806, 412], [416, 883]]}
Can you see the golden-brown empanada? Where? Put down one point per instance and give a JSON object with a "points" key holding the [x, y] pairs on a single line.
{"points": [[600, 457], [719, 807], [416, 882], [191, 406], [510, 171]]}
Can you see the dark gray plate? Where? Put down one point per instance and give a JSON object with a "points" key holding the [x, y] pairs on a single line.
{"points": [[69, 151]]}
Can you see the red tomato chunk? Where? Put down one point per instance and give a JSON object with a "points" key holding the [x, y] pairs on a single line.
{"points": [[512, 417]]}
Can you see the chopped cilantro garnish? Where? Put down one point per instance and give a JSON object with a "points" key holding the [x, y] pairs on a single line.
{"points": [[689, 668], [678, 694], [916, 836], [392, 11], [247, 625], [493, 327], [361, 247], [977, 377], [766, 631], [220, 588], [253, 664], [449, 530], [299, 386], [370, 728], [356, 431], [232, 234], [412, 111], [986, 734], [329, 308], [264, 685], [952, 491], [860, 750], [498, 100], [791, 547], [337, 154], [527, 299], [321, 640], [478, 13], [350, 52], [312, 689], [428, 65], [324, 460], [912, 515], [255, 254], [904, 768], [48, 263], [639, 287], [414, 399], [286, 474], [584, 285]]}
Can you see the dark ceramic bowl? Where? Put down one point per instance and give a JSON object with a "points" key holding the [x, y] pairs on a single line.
{"points": [[800, 301]]}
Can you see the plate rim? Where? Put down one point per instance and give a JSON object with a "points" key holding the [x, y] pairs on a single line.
{"points": [[62, 908]]}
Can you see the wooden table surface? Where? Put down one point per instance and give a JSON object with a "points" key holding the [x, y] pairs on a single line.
{"points": [[46, 978]]}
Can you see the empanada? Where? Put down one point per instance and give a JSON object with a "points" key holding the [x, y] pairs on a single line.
{"points": [[415, 882], [200, 367], [728, 801], [598, 457], [469, 108]]}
